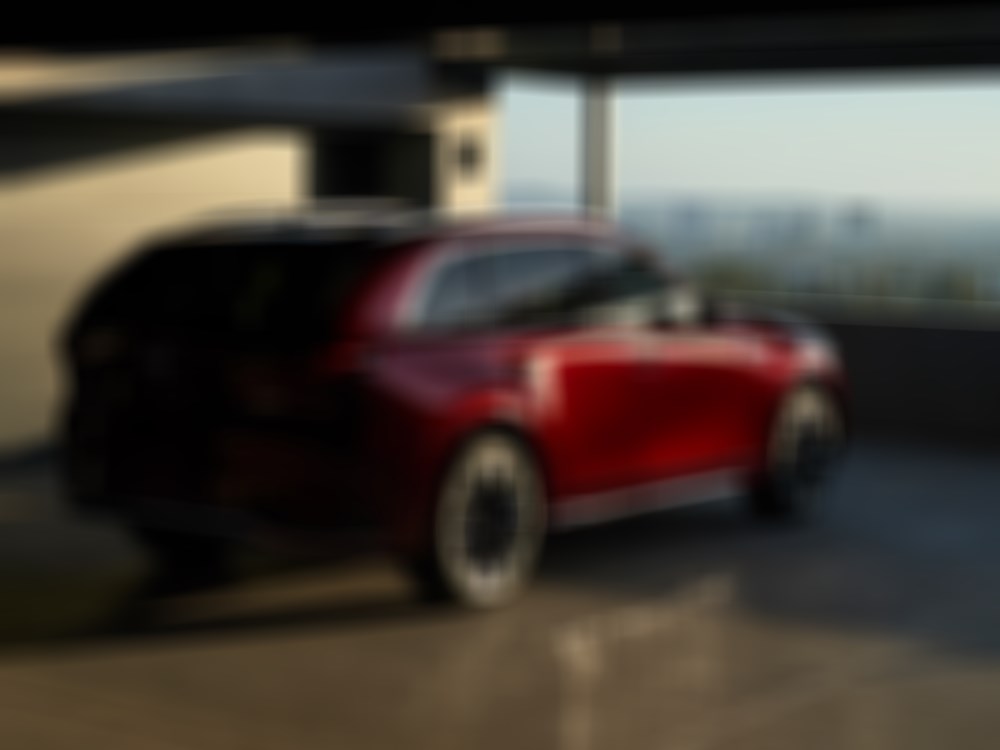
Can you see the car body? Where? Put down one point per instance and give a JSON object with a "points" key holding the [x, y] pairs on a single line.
{"points": [[307, 386]]}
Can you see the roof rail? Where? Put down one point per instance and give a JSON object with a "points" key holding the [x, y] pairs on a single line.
{"points": [[379, 219], [338, 210], [389, 219]]}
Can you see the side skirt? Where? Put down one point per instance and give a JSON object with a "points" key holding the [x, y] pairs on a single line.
{"points": [[586, 510]]}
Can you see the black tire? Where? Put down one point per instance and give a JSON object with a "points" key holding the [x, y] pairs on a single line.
{"points": [[184, 563], [804, 444], [488, 526]]}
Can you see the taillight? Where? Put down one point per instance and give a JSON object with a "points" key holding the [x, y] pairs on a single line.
{"points": [[297, 387]]}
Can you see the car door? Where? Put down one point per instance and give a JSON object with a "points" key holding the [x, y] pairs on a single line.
{"points": [[582, 379], [703, 383]]}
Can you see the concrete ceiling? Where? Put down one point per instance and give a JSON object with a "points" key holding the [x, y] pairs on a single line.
{"points": [[384, 87], [393, 84], [807, 40], [176, 26]]}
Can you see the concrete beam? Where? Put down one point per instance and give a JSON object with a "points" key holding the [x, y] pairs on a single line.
{"points": [[765, 41]]}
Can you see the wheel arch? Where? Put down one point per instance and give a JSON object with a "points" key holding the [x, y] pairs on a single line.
{"points": [[808, 380], [505, 425]]}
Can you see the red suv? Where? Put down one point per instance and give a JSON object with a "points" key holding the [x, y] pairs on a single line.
{"points": [[449, 392]]}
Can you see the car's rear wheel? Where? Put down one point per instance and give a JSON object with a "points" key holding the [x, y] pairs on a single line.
{"points": [[488, 525], [805, 441]]}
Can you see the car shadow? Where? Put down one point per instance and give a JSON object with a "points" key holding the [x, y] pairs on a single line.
{"points": [[138, 619]]}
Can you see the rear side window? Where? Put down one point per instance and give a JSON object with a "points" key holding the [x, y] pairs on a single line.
{"points": [[273, 290], [522, 277]]}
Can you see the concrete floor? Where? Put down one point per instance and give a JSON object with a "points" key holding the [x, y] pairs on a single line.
{"points": [[877, 625]]}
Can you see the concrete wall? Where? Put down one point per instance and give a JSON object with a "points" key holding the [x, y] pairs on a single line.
{"points": [[923, 382], [423, 165], [927, 371], [917, 369], [473, 121], [79, 200]]}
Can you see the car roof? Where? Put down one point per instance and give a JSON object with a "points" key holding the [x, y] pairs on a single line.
{"points": [[379, 225]]}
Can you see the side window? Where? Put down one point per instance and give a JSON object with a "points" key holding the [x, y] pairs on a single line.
{"points": [[460, 294], [637, 274], [527, 274], [531, 285], [519, 285], [637, 287]]}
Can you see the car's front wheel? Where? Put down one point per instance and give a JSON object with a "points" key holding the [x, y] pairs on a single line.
{"points": [[488, 525], [805, 441]]}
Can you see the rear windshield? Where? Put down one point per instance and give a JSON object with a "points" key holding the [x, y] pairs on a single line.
{"points": [[287, 291]]}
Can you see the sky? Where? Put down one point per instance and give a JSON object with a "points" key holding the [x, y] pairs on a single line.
{"points": [[914, 141]]}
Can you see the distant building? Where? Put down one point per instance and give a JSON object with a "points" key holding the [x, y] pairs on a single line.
{"points": [[860, 221]]}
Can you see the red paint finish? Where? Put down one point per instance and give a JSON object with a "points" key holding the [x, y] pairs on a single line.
{"points": [[359, 428]]}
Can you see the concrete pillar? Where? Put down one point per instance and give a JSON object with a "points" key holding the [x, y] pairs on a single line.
{"points": [[446, 160], [596, 146]]}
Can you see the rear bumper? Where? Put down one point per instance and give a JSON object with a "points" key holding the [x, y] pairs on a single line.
{"points": [[263, 488]]}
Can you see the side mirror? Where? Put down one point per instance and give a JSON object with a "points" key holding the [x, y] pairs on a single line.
{"points": [[679, 307]]}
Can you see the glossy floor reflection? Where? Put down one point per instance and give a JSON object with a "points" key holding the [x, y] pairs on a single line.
{"points": [[875, 626]]}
